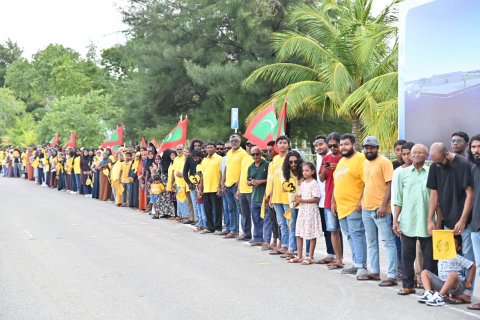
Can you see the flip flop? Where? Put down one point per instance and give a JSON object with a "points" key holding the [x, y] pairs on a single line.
{"points": [[405, 291], [368, 277], [451, 300], [475, 306], [324, 261], [276, 253], [335, 266]]}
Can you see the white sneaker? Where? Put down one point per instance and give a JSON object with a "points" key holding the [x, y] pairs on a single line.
{"points": [[427, 295], [436, 301]]}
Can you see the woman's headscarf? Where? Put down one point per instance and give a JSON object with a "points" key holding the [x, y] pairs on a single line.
{"points": [[148, 162], [166, 161]]}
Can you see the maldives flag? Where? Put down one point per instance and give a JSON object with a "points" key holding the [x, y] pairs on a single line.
{"points": [[176, 136], [282, 121], [55, 140], [262, 128], [144, 144], [114, 139], [72, 142]]}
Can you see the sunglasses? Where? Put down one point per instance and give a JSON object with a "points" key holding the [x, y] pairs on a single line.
{"points": [[256, 154], [330, 146], [457, 141], [293, 162]]}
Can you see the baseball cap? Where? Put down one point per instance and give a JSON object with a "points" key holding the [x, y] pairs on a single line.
{"points": [[371, 141]]}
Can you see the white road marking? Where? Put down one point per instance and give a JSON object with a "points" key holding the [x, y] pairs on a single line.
{"points": [[29, 234]]}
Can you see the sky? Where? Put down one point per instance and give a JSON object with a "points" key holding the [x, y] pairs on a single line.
{"points": [[441, 36], [34, 24]]}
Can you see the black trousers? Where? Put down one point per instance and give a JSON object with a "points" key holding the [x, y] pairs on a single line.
{"points": [[213, 211], [409, 252]]}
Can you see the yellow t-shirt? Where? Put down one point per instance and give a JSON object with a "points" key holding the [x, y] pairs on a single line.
{"points": [[275, 180], [169, 180], [211, 172], [76, 165], [348, 177], [234, 165], [68, 165], [116, 171], [376, 174], [125, 178], [244, 188], [24, 159], [178, 165]]}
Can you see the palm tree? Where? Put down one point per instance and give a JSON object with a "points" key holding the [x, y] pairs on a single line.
{"points": [[341, 60]]}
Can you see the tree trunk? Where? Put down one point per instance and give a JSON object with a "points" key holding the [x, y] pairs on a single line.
{"points": [[356, 130]]}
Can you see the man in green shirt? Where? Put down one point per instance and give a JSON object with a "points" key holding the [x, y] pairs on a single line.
{"points": [[257, 177], [411, 206]]}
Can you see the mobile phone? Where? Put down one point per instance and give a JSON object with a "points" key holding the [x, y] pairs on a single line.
{"points": [[327, 164]]}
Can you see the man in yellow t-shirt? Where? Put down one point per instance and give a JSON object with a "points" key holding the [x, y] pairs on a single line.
{"points": [[77, 171], [277, 196], [125, 179], [244, 194], [347, 194], [376, 215], [210, 189], [178, 183], [230, 178]]}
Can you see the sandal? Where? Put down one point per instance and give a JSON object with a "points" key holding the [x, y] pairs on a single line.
{"points": [[406, 291], [335, 266], [453, 300], [308, 261], [368, 277], [295, 259], [326, 260], [277, 252], [287, 255], [388, 283], [475, 306]]}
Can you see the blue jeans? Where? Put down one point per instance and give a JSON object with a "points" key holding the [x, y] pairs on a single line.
{"points": [[280, 209], [292, 239], [75, 182], [17, 170], [375, 228], [233, 208], [468, 253], [202, 215], [245, 205], [352, 227], [261, 227], [193, 196], [226, 213], [182, 207], [127, 189]]}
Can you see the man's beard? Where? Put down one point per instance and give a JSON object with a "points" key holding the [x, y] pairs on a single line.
{"points": [[371, 156], [476, 159], [349, 153]]}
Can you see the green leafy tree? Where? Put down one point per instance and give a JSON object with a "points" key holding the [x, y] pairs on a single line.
{"points": [[10, 108], [9, 53], [90, 116], [22, 133], [337, 59]]}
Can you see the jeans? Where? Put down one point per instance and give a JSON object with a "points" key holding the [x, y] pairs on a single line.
{"points": [[61, 181], [233, 208], [246, 204], [475, 236], [375, 228], [352, 226], [409, 253], [280, 209], [468, 253], [260, 225], [193, 196], [226, 213], [75, 184], [79, 183], [326, 234], [127, 189], [292, 239], [202, 216], [182, 207], [17, 170]]}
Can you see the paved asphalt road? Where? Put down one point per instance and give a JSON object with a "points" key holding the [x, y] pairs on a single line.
{"points": [[68, 257]]}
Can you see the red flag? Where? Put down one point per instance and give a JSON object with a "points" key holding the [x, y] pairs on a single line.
{"points": [[72, 142], [114, 139], [282, 121], [154, 142], [176, 136], [55, 140], [144, 143], [261, 129]]}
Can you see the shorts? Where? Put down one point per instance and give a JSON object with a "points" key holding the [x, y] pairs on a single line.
{"points": [[331, 221], [438, 283]]}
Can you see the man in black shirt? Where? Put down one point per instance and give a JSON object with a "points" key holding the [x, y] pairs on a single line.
{"points": [[459, 143], [474, 157], [450, 183]]}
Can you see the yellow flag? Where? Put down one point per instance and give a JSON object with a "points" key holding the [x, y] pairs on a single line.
{"points": [[181, 196], [443, 245], [35, 162]]}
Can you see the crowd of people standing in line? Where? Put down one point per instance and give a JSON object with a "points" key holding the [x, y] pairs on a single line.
{"points": [[281, 202]]}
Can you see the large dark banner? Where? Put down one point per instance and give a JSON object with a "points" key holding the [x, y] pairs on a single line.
{"points": [[439, 69]]}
